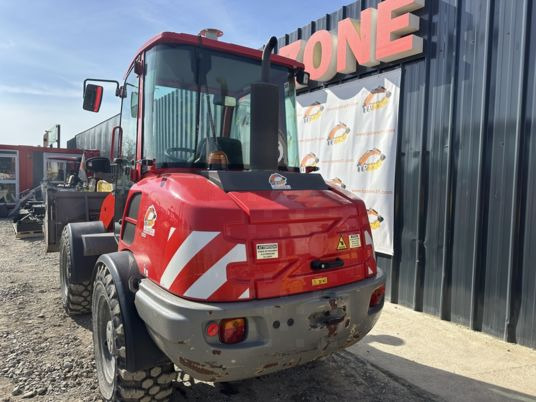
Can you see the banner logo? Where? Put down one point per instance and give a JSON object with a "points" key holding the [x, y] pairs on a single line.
{"points": [[309, 160], [338, 134], [313, 112], [375, 218], [149, 220], [376, 99], [370, 160], [278, 182]]}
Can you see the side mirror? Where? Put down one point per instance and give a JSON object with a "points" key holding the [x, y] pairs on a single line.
{"points": [[92, 97], [303, 78], [98, 164]]}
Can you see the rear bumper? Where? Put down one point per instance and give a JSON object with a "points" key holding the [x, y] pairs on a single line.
{"points": [[311, 325]]}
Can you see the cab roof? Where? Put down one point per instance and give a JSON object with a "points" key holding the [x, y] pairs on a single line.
{"points": [[187, 39]]}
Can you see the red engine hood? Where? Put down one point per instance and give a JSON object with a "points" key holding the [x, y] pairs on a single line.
{"points": [[204, 243], [300, 227]]}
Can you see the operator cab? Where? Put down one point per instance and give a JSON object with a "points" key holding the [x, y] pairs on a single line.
{"points": [[197, 105], [186, 104]]}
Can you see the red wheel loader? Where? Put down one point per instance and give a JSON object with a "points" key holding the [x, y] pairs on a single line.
{"points": [[214, 252]]}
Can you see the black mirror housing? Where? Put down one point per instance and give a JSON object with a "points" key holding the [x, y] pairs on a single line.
{"points": [[303, 77], [92, 97], [98, 164]]}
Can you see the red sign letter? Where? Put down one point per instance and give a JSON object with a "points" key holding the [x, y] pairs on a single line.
{"points": [[360, 38], [319, 56], [293, 50], [394, 21]]}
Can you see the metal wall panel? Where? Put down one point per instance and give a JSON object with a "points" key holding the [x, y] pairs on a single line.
{"points": [[97, 137], [524, 307], [466, 170]]}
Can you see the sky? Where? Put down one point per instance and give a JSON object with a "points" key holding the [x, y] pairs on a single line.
{"points": [[48, 48]]}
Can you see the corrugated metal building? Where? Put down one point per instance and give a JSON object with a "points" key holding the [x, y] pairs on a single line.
{"points": [[465, 231], [96, 137]]}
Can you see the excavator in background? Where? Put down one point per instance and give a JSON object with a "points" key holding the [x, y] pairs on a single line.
{"points": [[214, 251]]}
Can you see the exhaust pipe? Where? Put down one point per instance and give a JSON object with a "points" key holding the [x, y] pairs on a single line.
{"points": [[268, 49], [265, 100]]}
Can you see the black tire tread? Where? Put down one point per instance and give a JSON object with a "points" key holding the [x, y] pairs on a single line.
{"points": [[154, 384], [78, 296]]}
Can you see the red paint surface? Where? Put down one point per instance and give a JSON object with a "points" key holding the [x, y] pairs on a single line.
{"points": [[307, 225], [107, 211]]}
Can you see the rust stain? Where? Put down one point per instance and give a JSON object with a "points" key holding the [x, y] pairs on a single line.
{"points": [[197, 367], [329, 319], [267, 366]]}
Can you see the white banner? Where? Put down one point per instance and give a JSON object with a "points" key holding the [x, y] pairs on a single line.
{"points": [[349, 131]]}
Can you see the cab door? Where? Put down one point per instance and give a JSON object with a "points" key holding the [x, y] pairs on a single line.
{"points": [[126, 159]]}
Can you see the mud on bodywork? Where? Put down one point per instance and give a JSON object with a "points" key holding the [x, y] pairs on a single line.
{"points": [[282, 332]]}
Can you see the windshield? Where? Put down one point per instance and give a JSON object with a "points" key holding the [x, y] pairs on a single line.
{"points": [[197, 109]]}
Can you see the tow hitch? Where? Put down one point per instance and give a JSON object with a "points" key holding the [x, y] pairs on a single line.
{"points": [[330, 318]]}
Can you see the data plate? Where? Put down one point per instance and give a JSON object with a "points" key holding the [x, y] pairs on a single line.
{"points": [[266, 251]]}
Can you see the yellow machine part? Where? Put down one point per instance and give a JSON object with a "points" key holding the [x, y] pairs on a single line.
{"points": [[104, 187]]}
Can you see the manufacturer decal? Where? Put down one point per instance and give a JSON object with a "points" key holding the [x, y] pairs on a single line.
{"points": [[149, 220], [320, 281], [278, 182], [309, 160], [370, 161], [375, 218], [267, 250], [338, 134], [376, 99], [338, 182], [313, 112], [354, 240], [342, 245]]}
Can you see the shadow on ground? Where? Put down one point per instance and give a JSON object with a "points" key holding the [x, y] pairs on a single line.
{"points": [[344, 377]]}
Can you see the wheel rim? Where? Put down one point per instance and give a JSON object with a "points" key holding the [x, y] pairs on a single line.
{"points": [[105, 341]]}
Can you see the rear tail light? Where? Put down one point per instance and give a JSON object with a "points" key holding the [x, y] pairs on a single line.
{"points": [[212, 329], [377, 296], [233, 330]]}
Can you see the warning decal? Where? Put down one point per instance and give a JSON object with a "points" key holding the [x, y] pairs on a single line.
{"points": [[355, 240], [342, 244], [267, 250]]}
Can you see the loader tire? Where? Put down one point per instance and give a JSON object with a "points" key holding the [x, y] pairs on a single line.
{"points": [[116, 383], [76, 298]]}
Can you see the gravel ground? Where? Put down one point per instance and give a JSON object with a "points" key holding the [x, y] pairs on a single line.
{"points": [[47, 356]]}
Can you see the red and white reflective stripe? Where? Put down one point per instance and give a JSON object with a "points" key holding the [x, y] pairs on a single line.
{"points": [[216, 275], [192, 245], [369, 241], [244, 295]]}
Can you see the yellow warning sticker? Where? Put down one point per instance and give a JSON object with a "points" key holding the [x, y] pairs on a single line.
{"points": [[320, 281], [342, 244]]}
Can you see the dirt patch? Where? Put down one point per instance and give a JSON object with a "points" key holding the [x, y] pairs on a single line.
{"points": [[47, 356]]}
